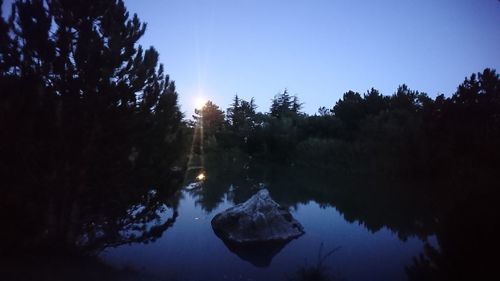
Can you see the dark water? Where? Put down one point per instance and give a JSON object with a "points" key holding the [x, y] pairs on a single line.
{"points": [[190, 250]]}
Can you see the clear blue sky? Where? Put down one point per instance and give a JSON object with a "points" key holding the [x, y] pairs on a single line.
{"points": [[318, 49]]}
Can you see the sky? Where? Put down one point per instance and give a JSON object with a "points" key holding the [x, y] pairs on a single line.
{"points": [[318, 50]]}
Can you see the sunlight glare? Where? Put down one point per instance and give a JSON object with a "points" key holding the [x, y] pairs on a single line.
{"points": [[199, 102]]}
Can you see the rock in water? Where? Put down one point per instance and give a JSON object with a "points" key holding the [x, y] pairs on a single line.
{"points": [[259, 219]]}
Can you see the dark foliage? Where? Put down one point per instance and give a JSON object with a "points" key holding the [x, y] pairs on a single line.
{"points": [[89, 123]]}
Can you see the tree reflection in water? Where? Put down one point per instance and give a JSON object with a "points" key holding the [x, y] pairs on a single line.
{"points": [[467, 244], [144, 222], [463, 222], [123, 220]]}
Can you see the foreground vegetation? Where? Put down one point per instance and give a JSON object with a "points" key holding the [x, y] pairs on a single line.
{"points": [[89, 124]]}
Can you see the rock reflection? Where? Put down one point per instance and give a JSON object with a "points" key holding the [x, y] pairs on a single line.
{"points": [[258, 254]]}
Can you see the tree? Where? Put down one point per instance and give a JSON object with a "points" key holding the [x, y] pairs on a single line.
{"points": [[282, 128], [234, 114], [349, 109], [323, 111], [243, 123], [468, 122], [241, 115], [88, 113], [284, 105], [374, 102], [405, 99], [211, 117], [480, 89]]}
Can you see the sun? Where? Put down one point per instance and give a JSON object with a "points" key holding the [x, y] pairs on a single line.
{"points": [[199, 102]]}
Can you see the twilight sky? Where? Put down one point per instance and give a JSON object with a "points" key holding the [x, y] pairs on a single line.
{"points": [[318, 49]]}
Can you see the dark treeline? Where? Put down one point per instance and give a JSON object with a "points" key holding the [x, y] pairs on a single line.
{"points": [[89, 125], [417, 165], [406, 133]]}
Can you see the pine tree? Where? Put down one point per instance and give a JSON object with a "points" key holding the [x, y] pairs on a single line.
{"points": [[212, 118], [234, 114], [284, 105], [90, 115], [241, 114]]}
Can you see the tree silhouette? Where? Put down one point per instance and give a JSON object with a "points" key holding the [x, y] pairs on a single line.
{"points": [[284, 105], [349, 109], [374, 102], [84, 111], [241, 114], [212, 118], [243, 123]]}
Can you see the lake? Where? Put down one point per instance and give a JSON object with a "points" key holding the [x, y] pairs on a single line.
{"points": [[190, 250]]}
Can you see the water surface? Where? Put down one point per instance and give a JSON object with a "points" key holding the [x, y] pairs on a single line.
{"points": [[190, 250]]}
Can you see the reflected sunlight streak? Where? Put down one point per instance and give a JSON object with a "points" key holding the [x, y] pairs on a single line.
{"points": [[201, 176]]}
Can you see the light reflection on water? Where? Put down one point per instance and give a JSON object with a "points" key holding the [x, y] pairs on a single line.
{"points": [[201, 176], [191, 251]]}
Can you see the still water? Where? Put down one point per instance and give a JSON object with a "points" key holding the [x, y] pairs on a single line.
{"points": [[190, 250]]}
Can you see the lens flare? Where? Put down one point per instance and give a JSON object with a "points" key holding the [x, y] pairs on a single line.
{"points": [[199, 102]]}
